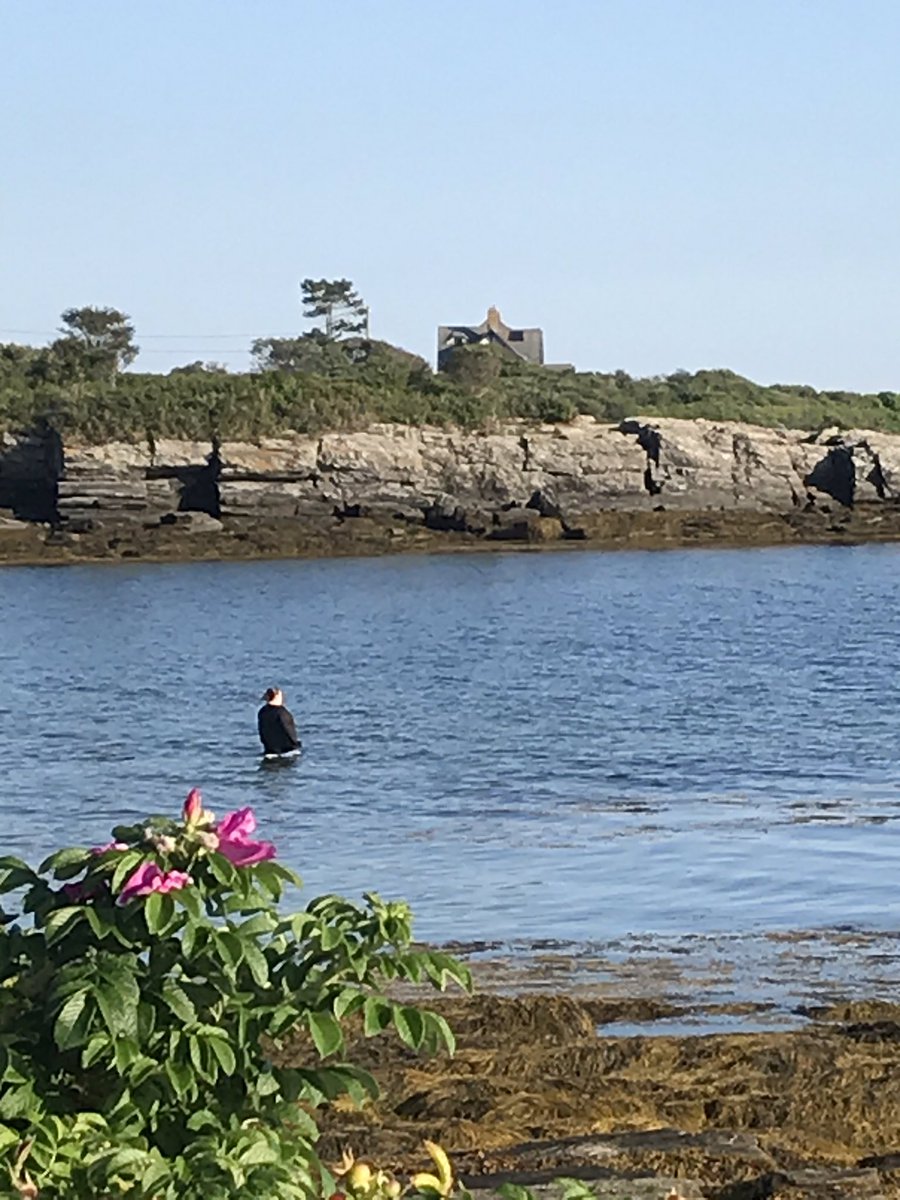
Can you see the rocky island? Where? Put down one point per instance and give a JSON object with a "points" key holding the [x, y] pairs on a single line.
{"points": [[638, 482]]}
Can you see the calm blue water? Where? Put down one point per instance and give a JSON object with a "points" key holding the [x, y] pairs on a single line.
{"points": [[577, 746]]}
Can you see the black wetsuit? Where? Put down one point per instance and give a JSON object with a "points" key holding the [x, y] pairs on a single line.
{"points": [[277, 730]]}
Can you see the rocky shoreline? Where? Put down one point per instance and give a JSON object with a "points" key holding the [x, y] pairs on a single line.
{"points": [[394, 488], [543, 1086]]}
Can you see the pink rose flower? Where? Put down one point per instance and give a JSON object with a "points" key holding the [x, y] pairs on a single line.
{"points": [[149, 878], [110, 846], [235, 842]]}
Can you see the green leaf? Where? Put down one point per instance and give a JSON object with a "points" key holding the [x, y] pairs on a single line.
{"points": [[56, 922], [331, 937], [256, 961], [439, 1031], [331, 1082], [223, 870], [8, 1138], [67, 1029], [156, 1173], [258, 1153], [326, 1033], [16, 877], [118, 1160], [18, 1102], [410, 1025], [514, 1191], [203, 1119], [159, 911], [273, 876], [263, 922], [97, 1045], [118, 1008], [9, 862], [224, 1053], [178, 1002], [377, 1015], [574, 1189], [230, 947], [442, 968], [189, 898], [64, 860], [284, 1017], [99, 928], [347, 1001], [195, 937], [358, 1084], [126, 1051], [181, 1077], [267, 1084]]}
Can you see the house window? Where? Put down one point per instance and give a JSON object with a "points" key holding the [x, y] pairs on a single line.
{"points": [[517, 335]]}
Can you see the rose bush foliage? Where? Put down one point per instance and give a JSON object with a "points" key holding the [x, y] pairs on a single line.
{"points": [[144, 986]]}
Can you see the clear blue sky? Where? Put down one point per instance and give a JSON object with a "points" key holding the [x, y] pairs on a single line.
{"points": [[660, 184]]}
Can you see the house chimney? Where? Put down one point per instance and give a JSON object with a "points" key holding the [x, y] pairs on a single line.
{"points": [[494, 320]]}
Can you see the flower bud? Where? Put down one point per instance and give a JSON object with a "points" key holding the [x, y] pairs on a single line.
{"points": [[360, 1176], [193, 807]]}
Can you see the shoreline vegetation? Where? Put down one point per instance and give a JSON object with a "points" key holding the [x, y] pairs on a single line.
{"points": [[350, 385], [335, 376]]}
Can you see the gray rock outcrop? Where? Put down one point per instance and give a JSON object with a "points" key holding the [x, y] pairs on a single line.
{"points": [[121, 482], [515, 481]]}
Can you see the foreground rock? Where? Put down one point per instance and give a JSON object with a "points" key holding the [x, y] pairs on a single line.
{"points": [[540, 1088], [643, 482]]}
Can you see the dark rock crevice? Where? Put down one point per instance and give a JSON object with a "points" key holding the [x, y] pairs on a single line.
{"points": [[30, 469], [835, 475], [200, 488]]}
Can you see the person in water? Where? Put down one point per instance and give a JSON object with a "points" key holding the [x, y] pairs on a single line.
{"points": [[277, 730]]}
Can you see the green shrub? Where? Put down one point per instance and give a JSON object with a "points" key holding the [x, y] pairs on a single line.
{"points": [[351, 384], [143, 990]]}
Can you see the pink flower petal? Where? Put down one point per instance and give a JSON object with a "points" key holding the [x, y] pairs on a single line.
{"points": [[237, 825], [245, 853], [149, 878], [173, 882], [140, 882]]}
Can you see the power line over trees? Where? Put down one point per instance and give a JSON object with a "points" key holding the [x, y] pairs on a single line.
{"points": [[311, 353]]}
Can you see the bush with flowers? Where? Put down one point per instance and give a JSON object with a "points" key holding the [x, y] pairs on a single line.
{"points": [[143, 987]]}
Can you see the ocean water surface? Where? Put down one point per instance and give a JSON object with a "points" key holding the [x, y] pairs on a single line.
{"points": [[613, 752]]}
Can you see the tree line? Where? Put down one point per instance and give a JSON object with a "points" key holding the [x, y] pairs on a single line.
{"points": [[335, 376]]}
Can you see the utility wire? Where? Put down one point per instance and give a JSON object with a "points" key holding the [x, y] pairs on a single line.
{"points": [[157, 336]]}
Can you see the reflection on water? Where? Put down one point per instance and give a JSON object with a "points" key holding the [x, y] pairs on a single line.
{"points": [[585, 747]]}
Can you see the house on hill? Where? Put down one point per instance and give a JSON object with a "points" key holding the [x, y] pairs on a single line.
{"points": [[526, 344]]}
